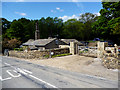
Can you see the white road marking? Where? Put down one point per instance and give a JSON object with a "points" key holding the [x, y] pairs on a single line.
{"points": [[43, 81], [8, 71], [27, 71], [10, 65], [21, 71], [7, 64], [24, 71], [5, 78], [94, 76]]}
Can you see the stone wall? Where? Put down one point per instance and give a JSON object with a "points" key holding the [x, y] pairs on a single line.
{"points": [[111, 62], [35, 54], [109, 55], [60, 51]]}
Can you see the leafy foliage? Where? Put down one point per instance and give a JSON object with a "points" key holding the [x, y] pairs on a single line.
{"points": [[108, 24], [73, 29], [10, 44], [89, 26]]}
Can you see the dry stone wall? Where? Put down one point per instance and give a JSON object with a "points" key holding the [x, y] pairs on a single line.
{"points": [[111, 62], [35, 54], [109, 56]]}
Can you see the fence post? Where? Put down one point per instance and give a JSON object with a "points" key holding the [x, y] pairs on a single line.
{"points": [[116, 50]]}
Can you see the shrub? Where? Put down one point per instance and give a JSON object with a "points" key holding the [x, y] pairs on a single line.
{"points": [[10, 44]]}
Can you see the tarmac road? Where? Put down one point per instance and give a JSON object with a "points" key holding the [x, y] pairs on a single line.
{"points": [[23, 74]]}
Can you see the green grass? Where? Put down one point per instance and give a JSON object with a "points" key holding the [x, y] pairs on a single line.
{"points": [[18, 49], [59, 55], [84, 51], [46, 56], [81, 51]]}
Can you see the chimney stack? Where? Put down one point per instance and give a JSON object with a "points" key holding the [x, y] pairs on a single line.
{"points": [[37, 32]]}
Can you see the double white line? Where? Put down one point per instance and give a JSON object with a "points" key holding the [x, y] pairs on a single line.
{"points": [[26, 72]]}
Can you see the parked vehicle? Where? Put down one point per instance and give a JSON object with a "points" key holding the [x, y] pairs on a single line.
{"points": [[110, 43], [85, 43], [96, 39], [119, 49]]}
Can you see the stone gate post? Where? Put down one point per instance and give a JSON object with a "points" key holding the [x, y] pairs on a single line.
{"points": [[116, 50], [100, 49], [73, 48]]}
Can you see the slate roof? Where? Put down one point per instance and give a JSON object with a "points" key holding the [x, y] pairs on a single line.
{"points": [[39, 42], [28, 43], [69, 40], [42, 42]]}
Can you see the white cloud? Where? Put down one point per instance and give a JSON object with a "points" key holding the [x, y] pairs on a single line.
{"points": [[57, 8], [53, 11], [22, 14], [65, 18], [98, 14]]}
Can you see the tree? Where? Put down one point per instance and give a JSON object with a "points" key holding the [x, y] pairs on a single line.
{"points": [[43, 27], [73, 29], [50, 27], [29, 31], [5, 24], [88, 19], [16, 30], [109, 22], [58, 27]]}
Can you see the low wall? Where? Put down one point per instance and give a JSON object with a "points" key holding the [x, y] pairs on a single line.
{"points": [[111, 62], [35, 54], [64, 46], [59, 51]]}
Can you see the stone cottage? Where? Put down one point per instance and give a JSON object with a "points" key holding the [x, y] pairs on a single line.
{"points": [[42, 44]]}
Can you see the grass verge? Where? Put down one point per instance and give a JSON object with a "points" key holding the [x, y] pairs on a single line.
{"points": [[59, 55]]}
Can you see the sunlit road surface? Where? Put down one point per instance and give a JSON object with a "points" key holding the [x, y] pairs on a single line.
{"points": [[23, 74]]}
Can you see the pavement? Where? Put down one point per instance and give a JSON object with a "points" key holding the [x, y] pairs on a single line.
{"points": [[23, 74]]}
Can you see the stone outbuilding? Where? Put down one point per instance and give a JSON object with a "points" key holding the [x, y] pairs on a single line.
{"points": [[42, 44]]}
